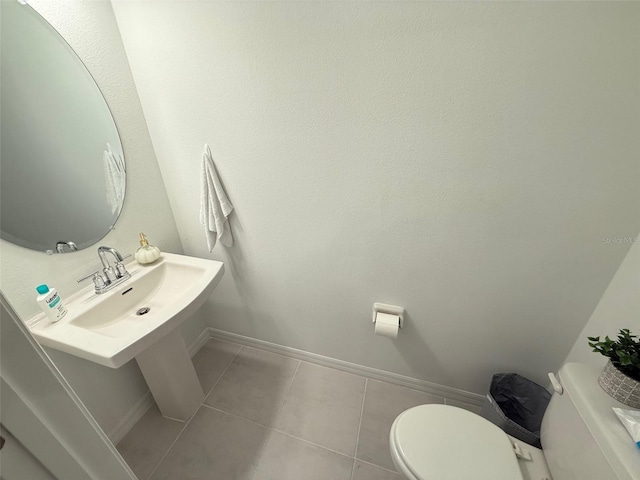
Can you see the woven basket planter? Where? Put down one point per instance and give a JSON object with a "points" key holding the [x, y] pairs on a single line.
{"points": [[619, 386]]}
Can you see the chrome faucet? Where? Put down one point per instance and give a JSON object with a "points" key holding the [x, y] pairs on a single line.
{"points": [[111, 275]]}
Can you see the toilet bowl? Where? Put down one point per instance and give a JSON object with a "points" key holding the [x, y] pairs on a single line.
{"points": [[581, 438], [444, 442]]}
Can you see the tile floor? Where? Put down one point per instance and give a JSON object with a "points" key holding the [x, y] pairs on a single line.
{"points": [[267, 416]]}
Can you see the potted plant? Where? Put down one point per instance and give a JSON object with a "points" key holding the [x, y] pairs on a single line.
{"points": [[620, 378]]}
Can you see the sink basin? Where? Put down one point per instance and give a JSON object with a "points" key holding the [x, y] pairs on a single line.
{"points": [[111, 329], [139, 319]]}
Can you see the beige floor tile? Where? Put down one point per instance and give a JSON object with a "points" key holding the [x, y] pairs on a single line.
{"points": [[364, 471], [212, 360], [314, 411], [254, 385], [323, 406], [287, 458], [382, 404], [147, 442], [214, 446]]}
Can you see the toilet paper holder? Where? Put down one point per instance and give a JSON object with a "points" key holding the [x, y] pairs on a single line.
{"points": [[389, 309]]}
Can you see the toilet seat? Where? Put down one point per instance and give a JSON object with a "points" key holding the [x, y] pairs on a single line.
{"points": [[441, 442]]}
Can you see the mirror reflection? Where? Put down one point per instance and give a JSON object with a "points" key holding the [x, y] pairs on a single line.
{"points": [[62, 180]]}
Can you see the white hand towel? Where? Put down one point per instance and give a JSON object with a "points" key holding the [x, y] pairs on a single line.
{"points": [[215, 207]]}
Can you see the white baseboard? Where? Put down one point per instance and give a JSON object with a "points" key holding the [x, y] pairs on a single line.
{"points": [[199, 342], [118, 432], [374, 373], [140, 408]]}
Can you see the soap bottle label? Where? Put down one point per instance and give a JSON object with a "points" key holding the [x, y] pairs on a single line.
{"points": [[51, 304], [53, 301]]}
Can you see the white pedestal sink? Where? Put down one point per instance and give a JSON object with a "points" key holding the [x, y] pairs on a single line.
{"points": [[167, 368], [139, 319]]}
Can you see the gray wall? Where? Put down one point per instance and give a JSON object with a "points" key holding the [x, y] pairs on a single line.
{"points": [[618, 308], [462, 159], [466, 161]]}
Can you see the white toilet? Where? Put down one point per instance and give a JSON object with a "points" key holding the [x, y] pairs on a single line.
{"points": [[581, 437]]}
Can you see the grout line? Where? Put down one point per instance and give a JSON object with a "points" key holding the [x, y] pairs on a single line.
{"points": [[286, 394], [282, 432], [277, 431], [353, 468], [271, 428], [186, 424], [355, 454], [377, 466], [234, 415], [222, 374], [254, 464]]}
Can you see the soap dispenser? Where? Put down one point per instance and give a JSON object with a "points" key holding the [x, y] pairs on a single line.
{"points": [[146, 253]]}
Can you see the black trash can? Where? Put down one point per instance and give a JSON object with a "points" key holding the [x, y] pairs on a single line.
{"points": [[516, 405]]}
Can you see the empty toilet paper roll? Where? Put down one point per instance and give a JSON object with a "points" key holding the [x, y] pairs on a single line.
{"points": [[387, 325]]}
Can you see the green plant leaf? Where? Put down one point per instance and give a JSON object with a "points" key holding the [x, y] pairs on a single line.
{"points": [[624, 351]]}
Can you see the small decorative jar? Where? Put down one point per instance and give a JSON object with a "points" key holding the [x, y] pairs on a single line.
{"points": [[620, 386]]}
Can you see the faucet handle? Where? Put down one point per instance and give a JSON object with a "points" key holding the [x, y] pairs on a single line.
{"points": [[109, 274], [98, 280], [90, 275], [121, 269]]}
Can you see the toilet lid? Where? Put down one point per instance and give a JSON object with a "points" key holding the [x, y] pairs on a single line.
{"points": [[441, 442]]}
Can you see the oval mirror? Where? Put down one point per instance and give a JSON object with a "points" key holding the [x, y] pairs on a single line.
{"points": [[62, 171]]}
